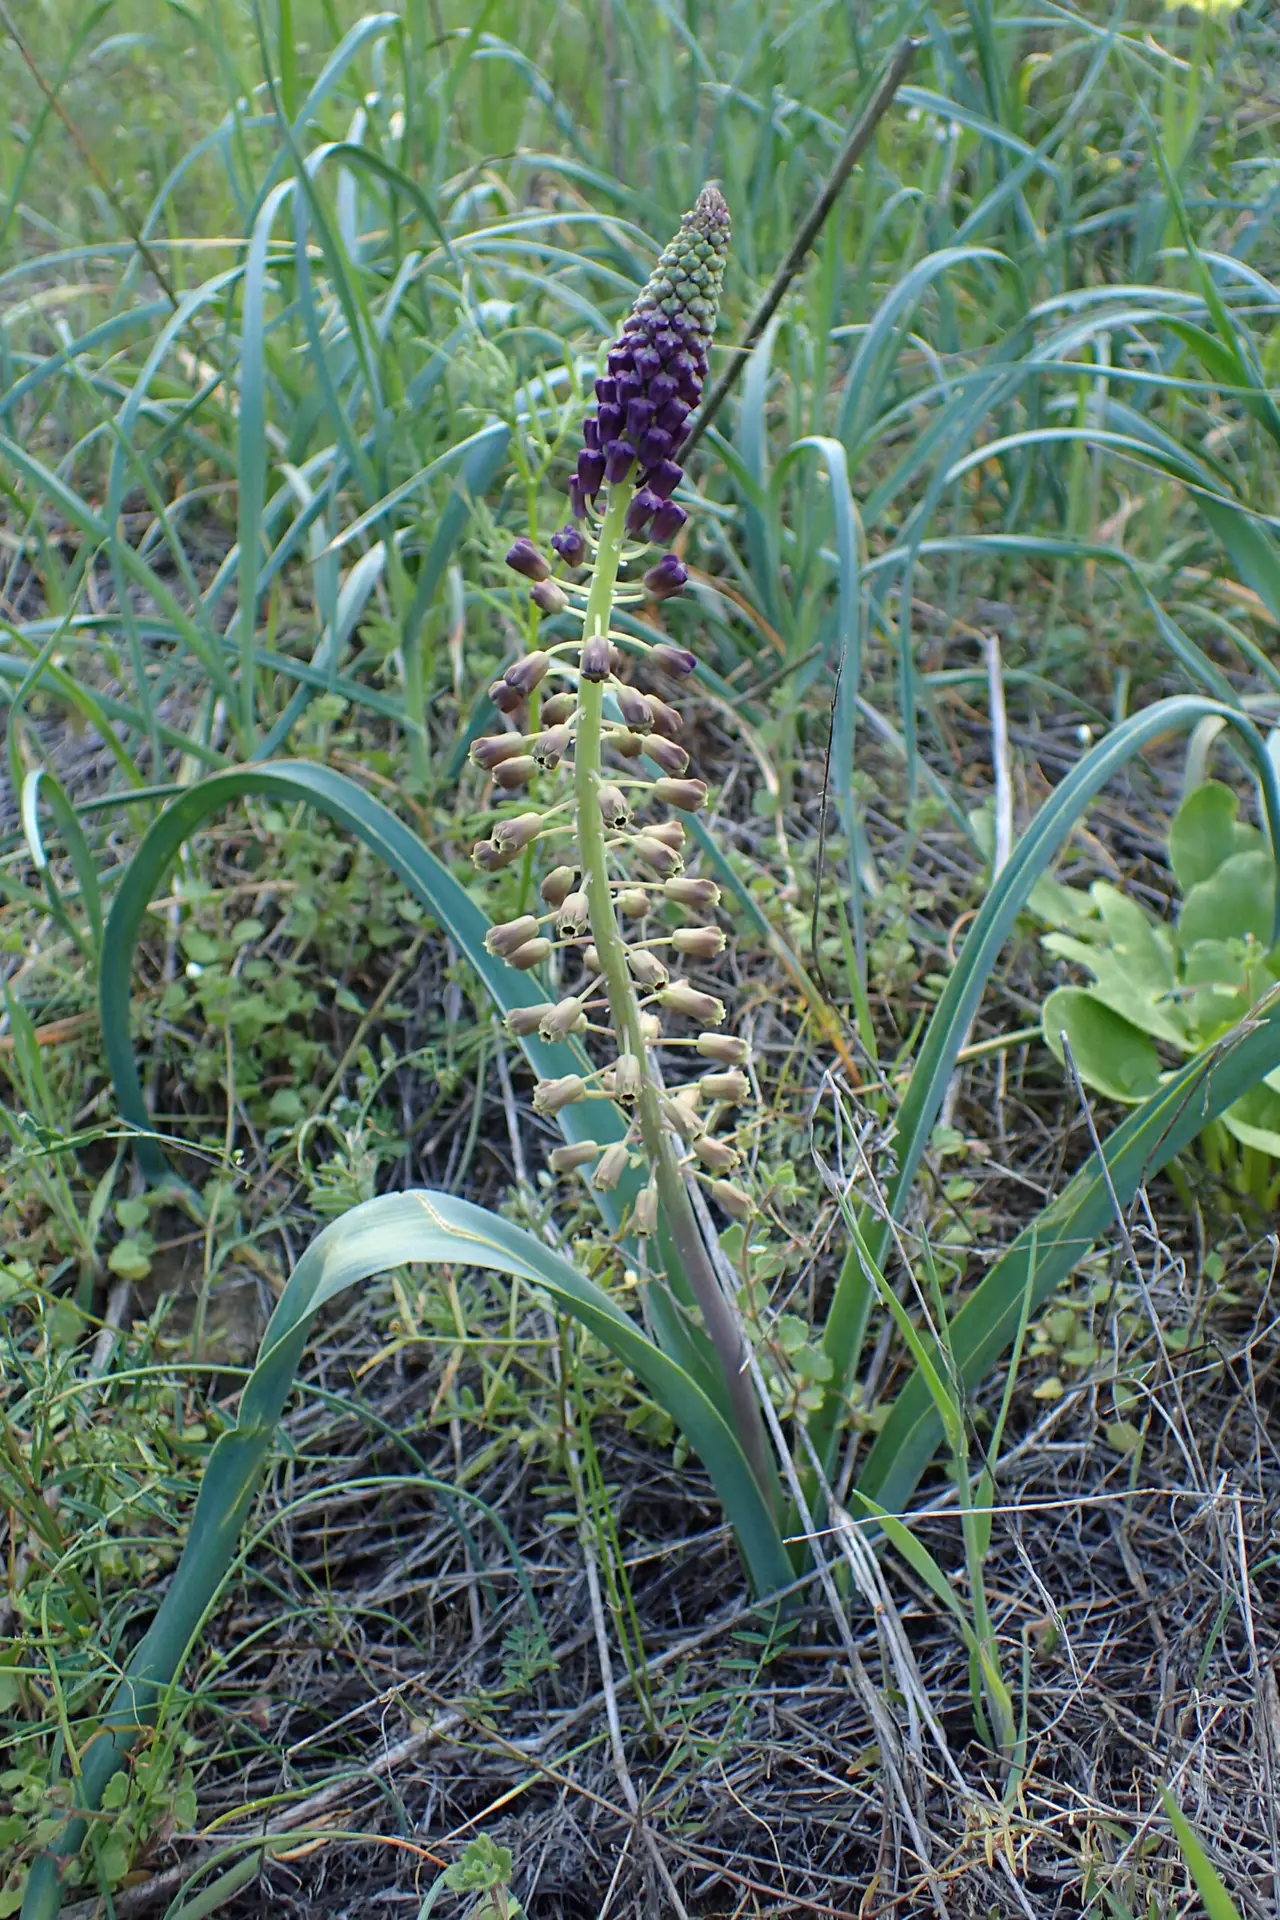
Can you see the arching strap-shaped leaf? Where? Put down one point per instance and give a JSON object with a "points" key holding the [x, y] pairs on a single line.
{"points": [[454, 912], [1042, 1257], [386, 836], [949, 1025], [434, 1229]]}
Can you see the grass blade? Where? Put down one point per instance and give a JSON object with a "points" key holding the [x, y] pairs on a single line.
{"points": [[391, 841], [968, 981], [82, 859], [1059, 1238], [850, 636], [1218, 1903]]}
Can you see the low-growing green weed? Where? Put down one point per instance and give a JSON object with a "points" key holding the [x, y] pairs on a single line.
{"points": [[1163, 990]]}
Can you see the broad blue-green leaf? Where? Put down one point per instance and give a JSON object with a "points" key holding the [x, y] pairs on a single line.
{"points": [[1112, 1056], [1062, 1234], [1238, 900], [1205, 833]]}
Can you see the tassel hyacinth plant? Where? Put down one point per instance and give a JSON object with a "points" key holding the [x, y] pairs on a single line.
{"points": [[613, 882], [622, 821]]}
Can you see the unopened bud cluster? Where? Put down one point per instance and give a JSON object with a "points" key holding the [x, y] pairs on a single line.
{"points": [[661, 927], [654, 380], [654, 377]]}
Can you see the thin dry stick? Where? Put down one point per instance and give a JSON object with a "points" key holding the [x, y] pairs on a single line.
{"points": [[852, 151], [1261, 1675], [999, 755], [513, 1119], [609, 1691]]}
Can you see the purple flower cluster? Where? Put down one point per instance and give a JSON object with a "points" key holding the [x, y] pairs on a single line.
{"points": [[654, 378]]}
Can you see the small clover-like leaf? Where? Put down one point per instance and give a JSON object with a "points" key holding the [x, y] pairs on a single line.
{"points": [[116, 1792], [131, 1259]]}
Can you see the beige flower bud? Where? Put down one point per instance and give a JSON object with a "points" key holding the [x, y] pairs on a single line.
{"points": [[737, 1204], [633, 903], [703, 943], [531, 954], [503, 940], [597, 658], [614, 810], [558, 883], [550, 746], [646, 968], [634, 708], [591, 959], [688, 795], [549, 597], [715, 1155], [494, 749], [565, 1159], [613, 1164], [666, 720], [682, 998], [489, 857], [572, 915], [681, 1116], [628, 1077], [504, 698], [549, 1096], [524, 675], [667, 755], [670, 831], [515, 773], [522, 1021], [558, 707], [629, 745], [650, 1028], [686, 891], [644, 1217], [568, 1016], [725, 1047], [656, 854], [732, 1087], [514, 835]]}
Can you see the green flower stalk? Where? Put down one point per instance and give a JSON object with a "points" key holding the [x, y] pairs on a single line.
{"points": [[621, 827]]}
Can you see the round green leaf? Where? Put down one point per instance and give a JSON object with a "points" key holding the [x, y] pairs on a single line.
{"points": [[1206, 833], [1237, 900], [1110, 1053], [1254, 1120]]}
